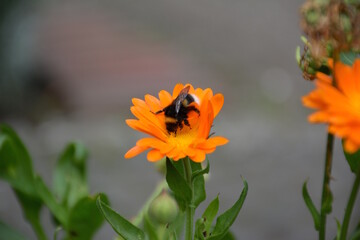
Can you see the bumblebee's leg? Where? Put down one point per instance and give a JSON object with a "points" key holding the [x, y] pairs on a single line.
{"points": [[186, 122], [160, 111], [180, 124]]}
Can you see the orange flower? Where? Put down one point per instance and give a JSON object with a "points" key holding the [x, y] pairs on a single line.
{"points": [[338, 106], [192, 141]]}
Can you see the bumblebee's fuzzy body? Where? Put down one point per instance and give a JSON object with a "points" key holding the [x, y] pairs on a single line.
{"points": [[176, 114]]}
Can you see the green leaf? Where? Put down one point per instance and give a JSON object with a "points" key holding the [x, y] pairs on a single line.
{"points": [[298, 55], [16, 168], [229, 236], [31, 207], [7, 233], [304, 39], [85, 218], [310, 205], [328, 199], [197, 179], [120, 225], [338, 229], [348, 57], [48, 198], [210, 213], [355, 235], [70, 183], [150, 229], [15, 163], [201, 171], [178, 185], [198, 182], [200, 231], [175, 228], [353, 160], [225, 220]]}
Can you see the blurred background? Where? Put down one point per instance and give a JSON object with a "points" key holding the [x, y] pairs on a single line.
{"points": [[68, 71]]}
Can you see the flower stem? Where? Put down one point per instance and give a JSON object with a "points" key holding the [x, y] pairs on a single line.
{"points": [[140, 216], [326, 192], [189, 207], [349, 206], [39, 231]]}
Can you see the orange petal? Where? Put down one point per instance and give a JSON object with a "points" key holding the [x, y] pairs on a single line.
{"points": [[345, 79], [199, 93], [175, 154], [153, 103], [330, 63], [313, 100], [154, 155], [356, 69], [177, 89], [323, 77], [147, 117], [189, 151], [134, 151], [213, 142], [139, 102], [318, 117], [350, 146], [199, 156], [155, 143], [145, 128], [217, 102], [206, 118], [165, 98], [210, 150]]}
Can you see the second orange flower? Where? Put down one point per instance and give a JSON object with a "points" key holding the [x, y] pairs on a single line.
{"points": [[338, 106]]}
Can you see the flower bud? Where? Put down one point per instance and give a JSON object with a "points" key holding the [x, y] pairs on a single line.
{"points": [[163, 209]]}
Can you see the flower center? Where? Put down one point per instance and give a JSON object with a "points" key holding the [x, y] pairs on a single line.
{"points": [[183, 138]]}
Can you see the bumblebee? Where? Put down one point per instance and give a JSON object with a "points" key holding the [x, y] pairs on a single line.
{"points": [[176, 114]]}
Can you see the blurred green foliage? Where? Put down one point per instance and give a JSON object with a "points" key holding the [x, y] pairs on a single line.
{"points": [[70, 204]]}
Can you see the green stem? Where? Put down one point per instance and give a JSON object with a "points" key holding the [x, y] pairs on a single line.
{"points": [[189, 207], [57, 230], [326, 192], [349, 206], [140, 216], [39, 231]]}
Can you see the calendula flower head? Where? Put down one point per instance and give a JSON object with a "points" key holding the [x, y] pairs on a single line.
{"points": [[338, 104], [179, 124]]}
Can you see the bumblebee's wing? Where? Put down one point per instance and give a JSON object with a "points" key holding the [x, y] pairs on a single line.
{"points": [[180, 98]]}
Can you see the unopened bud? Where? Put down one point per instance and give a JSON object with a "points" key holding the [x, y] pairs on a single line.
{"points": [[163, 209]]}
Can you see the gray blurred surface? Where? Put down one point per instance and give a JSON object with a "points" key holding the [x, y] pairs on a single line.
{"points": [[244, 49]]}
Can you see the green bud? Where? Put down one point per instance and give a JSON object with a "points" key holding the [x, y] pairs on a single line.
{"points": [[163, 209], [345, 22], [298, 55], [311, 71], [312, 16]]}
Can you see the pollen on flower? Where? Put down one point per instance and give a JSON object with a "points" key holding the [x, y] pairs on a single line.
{"points": [[183, 138], [178, 123]]}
